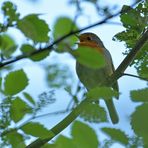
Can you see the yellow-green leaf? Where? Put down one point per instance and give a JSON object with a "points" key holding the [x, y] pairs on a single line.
{"points": [[64, 142], [89, 57], [84, 136], [18, 109], [34, 28], [28, 49], [116, 135], [15, 139], [15, 82], [139, 122], [37, 130], [140, 95], [102, 92]]}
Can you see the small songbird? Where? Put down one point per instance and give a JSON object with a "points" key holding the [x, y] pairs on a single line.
{"points": [[92, 77]]}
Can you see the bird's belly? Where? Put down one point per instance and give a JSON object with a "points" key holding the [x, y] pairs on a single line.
{"points": [[91, 77]]}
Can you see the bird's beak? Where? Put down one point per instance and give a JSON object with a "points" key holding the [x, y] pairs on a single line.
{"points": [[77, 36], [78, 42]]}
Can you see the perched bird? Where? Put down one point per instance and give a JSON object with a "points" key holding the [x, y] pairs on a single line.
{"points": [[92, 77]]}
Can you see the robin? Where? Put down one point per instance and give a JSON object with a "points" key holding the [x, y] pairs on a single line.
{"points": [[92, 77]]}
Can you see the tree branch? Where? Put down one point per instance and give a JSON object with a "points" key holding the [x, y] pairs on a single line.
{"points": [[62, 38], [59, 127], [75, 113]]}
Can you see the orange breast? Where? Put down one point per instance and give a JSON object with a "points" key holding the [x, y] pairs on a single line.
{"points": [[92, 45]]}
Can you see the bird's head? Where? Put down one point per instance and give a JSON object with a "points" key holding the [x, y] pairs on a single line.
{"points": [[90, 39]]}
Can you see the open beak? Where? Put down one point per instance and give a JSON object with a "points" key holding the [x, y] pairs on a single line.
{"points": [[78, 42], [77, 36]]}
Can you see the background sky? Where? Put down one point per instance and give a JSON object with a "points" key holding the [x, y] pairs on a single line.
{"points": [[51, 10]]}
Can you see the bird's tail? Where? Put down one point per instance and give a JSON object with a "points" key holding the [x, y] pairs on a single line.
{"points": [[112, 111]]}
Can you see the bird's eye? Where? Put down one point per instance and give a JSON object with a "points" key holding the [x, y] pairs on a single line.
{"points": [[88, 38]]}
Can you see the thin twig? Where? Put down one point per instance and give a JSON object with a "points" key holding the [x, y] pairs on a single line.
{"points": [[113, 23], [131, 75], [34, 117]]}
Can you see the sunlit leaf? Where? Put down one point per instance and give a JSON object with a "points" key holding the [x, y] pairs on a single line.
{"points": [[16, 140], [93, 113], [37, 130], [7, 45], [15, 82], [139, 122], [28, 49], [84, 136], [10, 12], [64, 142], [102, 92], [63, 26], [59, 75], [29, 98], [47, 145], [116, 135], [135, 23], [34, 28], [18, 109], [89, 57], [140, 95]]}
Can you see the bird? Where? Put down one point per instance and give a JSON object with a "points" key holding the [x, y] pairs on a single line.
{"points": [[90, 77]]}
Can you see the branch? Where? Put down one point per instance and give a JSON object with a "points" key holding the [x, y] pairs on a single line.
{"points": [[20, 57], [59, 127], [131, 75], [75, 113]]}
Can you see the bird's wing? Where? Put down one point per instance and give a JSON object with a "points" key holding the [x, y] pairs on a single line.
{"points": [[115, 85]]}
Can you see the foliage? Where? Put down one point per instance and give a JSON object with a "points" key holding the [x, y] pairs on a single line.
{"points": [[63, 26], [78, 138], [18, 107], [7, 46], [90, 58], [39, 28], [135, 22]]}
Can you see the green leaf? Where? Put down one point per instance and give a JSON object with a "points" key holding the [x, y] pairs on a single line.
{"points": [[135, 22], [9, 11], [140, 95], [29, 98], [128, 19], [27, 49], [136, 18], [7, 45], [139, 122], [93, 113], [59, 75], [89, 57], [37, 130], [16, 139], [102, 92], [64, 142], [34, 28], [47, 145], [84, 136], [116, 135], [63, 26], [15, 82], [18, 109]]}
